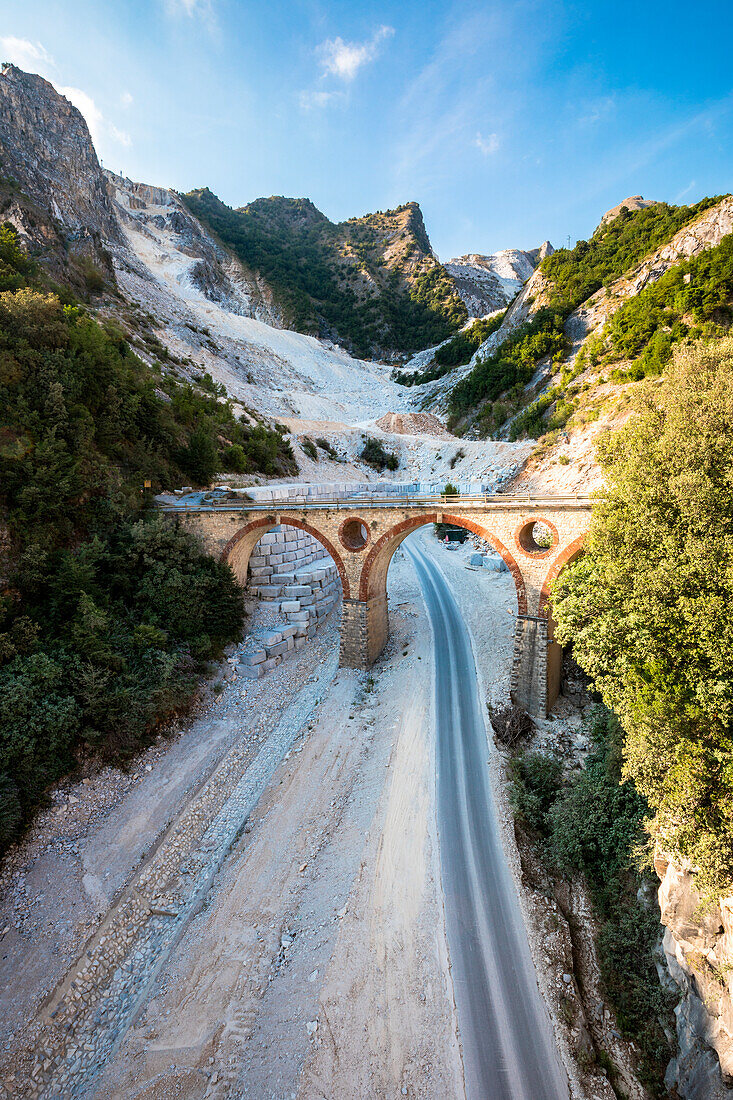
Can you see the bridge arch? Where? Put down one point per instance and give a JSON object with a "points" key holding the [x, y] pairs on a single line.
{"points": [[361, 535], [565, 557], [238, 550], [373, 580]]}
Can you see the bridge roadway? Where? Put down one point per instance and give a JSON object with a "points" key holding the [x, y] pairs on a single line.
{"points": [[238, 500]]}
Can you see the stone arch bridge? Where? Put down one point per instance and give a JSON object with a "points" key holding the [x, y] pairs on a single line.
{"points": [[362, 534]]}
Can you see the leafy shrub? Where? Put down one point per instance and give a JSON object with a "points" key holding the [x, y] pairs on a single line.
{"points": [[10, 810], [647, 605], [374, 454], [461, 347], [592, 824], [309, 448], [200, 457], [596, 828], [535, 781], [328, 448]]}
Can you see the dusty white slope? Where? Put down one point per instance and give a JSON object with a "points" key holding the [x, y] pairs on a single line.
{"points": [[214, 313]]}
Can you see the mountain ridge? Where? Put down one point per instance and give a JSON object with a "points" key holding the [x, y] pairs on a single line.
{"points": [[372, 283]]}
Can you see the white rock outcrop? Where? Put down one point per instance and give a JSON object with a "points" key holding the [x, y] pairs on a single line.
{"points": [[698, 947], [488, 283]]}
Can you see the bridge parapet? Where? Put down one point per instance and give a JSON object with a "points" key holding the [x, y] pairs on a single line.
{"points": [[362, 533]]}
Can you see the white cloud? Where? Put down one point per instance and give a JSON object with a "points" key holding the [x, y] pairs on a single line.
{"points": [[120, 136], [25, 54], [344, 59], [487, 145], [99, 127], [310, 101], [87, 106], [597, 110], [126, 99], [189, 8]]}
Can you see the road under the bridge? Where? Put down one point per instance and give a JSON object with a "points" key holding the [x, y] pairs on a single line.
{"points": [[509, 1050]]}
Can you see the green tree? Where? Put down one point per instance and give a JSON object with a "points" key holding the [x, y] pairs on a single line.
{"points": [[200, 457], [647, 607]]}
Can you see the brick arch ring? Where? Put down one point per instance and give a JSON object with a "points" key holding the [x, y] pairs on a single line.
{"points": [[539, 551], [568, 554], [408, 525], [268, 523]]}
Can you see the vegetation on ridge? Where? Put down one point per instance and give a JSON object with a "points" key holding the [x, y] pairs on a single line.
{"points": [[107, 614], [370, 282], [573, 275]]}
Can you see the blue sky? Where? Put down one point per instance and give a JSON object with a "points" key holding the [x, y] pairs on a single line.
{"points": [[509, 122]]}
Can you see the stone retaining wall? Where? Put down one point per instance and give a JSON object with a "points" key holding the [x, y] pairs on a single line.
{"points": [[291, 575]]}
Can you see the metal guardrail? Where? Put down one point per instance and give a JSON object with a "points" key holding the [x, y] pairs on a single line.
{"points": [[354, 503]]}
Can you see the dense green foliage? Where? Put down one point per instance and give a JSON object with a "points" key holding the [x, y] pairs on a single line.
{"points": [[513, 364], [376, 455], [328, 448], [593, 824], [576, 273], [107, 614], [648, 605], [691, 299], [572, 276], [333, 280], [309, 448], [461, 347], [15, 266], [533, 422], [99, 642]]}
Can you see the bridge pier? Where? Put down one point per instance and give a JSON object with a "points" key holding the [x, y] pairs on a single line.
{"points": [[537, 666], [364, 631]]}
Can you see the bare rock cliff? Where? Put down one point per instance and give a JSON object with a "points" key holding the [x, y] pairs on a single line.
{"points": [[698, 945], [634, 202], [46, 150], [488, 283], [162, 234]]}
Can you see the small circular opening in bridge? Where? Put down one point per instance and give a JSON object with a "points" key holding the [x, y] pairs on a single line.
{"points": [[537, 538], [354, 534]]}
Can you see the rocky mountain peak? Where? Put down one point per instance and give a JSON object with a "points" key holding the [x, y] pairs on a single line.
{"points": [[415, 224], [536, 255], [634, 202], [488, 283], [46, 150], [297, 214]]}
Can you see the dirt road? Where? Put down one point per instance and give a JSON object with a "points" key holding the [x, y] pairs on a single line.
{"points": [[318, 967], [312, 961]]}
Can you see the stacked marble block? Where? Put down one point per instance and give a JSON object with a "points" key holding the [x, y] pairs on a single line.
{"points": [[291, 574]]}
